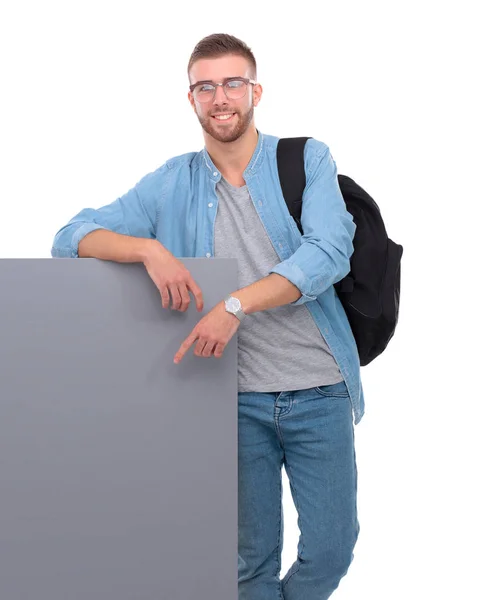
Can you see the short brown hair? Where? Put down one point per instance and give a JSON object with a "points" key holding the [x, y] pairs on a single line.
{"points": [[220, 44]]}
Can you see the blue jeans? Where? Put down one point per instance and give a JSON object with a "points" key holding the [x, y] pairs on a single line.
{"points": [[311, 432]]}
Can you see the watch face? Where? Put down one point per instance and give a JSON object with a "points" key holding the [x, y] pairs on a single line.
{"points": [[233, 304]]}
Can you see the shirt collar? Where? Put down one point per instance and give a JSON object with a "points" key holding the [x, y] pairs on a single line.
{"points": [[254, 163]]}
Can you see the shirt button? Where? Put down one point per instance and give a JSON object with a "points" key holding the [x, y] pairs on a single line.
{"points": [[208, 254], [260, 203], [215, 173], [210, 205]]}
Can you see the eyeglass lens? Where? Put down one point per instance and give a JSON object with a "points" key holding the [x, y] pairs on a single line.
{"points": [[234, 89]]}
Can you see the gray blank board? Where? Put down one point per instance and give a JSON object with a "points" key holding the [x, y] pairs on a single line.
{"points": [[118, 468]]}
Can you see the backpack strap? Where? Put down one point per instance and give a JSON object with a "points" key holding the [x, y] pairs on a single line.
{"points": [[292, 174]]}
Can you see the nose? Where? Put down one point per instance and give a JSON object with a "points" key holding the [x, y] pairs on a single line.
{"points": [[219, 95]]}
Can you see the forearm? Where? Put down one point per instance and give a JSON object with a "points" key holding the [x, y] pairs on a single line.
{"points": [[108, 245], [269, 292]]}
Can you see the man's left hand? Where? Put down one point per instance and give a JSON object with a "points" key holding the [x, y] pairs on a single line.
{"points": [[212, 332]]}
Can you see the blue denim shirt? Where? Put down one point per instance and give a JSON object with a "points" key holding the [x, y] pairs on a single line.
{"points": [[177, 204]]}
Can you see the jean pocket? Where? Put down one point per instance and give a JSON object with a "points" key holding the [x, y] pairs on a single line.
{"points": [[336, 390]]}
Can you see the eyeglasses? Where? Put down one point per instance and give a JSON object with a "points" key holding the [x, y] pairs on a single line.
{"points": [[234, 87]]}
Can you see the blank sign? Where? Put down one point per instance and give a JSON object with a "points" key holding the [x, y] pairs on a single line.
{"points": [[118, 468]]}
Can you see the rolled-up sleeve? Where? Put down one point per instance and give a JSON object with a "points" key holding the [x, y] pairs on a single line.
{"points": [[323, 258], [134, 214]]}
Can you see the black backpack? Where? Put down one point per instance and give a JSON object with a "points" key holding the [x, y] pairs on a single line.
{"points": [[370, 292]]}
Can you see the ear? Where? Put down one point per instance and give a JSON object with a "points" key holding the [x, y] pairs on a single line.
{"points": [[257, 93]]}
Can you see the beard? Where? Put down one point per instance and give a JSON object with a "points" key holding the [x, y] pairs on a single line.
{"points": [[231, 131]]}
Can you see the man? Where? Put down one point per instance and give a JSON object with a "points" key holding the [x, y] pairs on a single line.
{"points": [[298, 363]]}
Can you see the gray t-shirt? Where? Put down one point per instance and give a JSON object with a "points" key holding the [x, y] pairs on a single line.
{"points": [[280, 349]]}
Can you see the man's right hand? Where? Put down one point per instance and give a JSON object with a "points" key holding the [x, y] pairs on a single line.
{"points": [[172, 278]]}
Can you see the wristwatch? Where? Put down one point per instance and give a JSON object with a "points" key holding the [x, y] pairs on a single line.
{"points": [[233, 305]]}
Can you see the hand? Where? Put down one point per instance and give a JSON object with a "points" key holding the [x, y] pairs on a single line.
{"points": [[213, 333], [172, 278]]}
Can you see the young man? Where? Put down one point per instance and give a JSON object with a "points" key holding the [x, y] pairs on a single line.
{"points": [[299, 380]]}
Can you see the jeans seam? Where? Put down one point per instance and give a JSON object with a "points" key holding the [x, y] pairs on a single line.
{"points": [[279, 549], [355, 487], [289, 472]]}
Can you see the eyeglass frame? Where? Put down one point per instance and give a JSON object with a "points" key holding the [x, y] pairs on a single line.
{"points": [[226, 80]]}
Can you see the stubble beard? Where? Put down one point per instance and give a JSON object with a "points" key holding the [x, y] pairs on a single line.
{"points": [[228, 133]]}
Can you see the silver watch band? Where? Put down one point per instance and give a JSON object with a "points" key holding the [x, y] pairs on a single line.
{"points": [[233, 306]]}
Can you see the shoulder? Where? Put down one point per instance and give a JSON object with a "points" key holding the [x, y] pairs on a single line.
{"points": [[312, 149], [182, 161], [166, 171]]}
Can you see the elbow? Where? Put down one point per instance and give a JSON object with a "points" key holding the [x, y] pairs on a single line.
{"points": [[60, 247], [60, 252], [67, 239]]}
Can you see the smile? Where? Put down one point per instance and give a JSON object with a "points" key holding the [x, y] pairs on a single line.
{"points": [[224, 117]]}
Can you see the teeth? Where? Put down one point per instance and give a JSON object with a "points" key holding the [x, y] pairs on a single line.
{"points": [[223, 117]]}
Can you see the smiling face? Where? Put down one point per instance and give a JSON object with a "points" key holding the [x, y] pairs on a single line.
{"points": [[241, 109]]}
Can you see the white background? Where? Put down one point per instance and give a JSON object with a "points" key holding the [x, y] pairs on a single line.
{"points": [[94, 96]]}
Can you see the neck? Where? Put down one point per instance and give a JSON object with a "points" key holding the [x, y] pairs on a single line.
{"points": [[232, 157]]}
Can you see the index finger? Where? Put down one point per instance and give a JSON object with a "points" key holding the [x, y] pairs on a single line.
{"points": [[184, 347], [196, 291]]}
